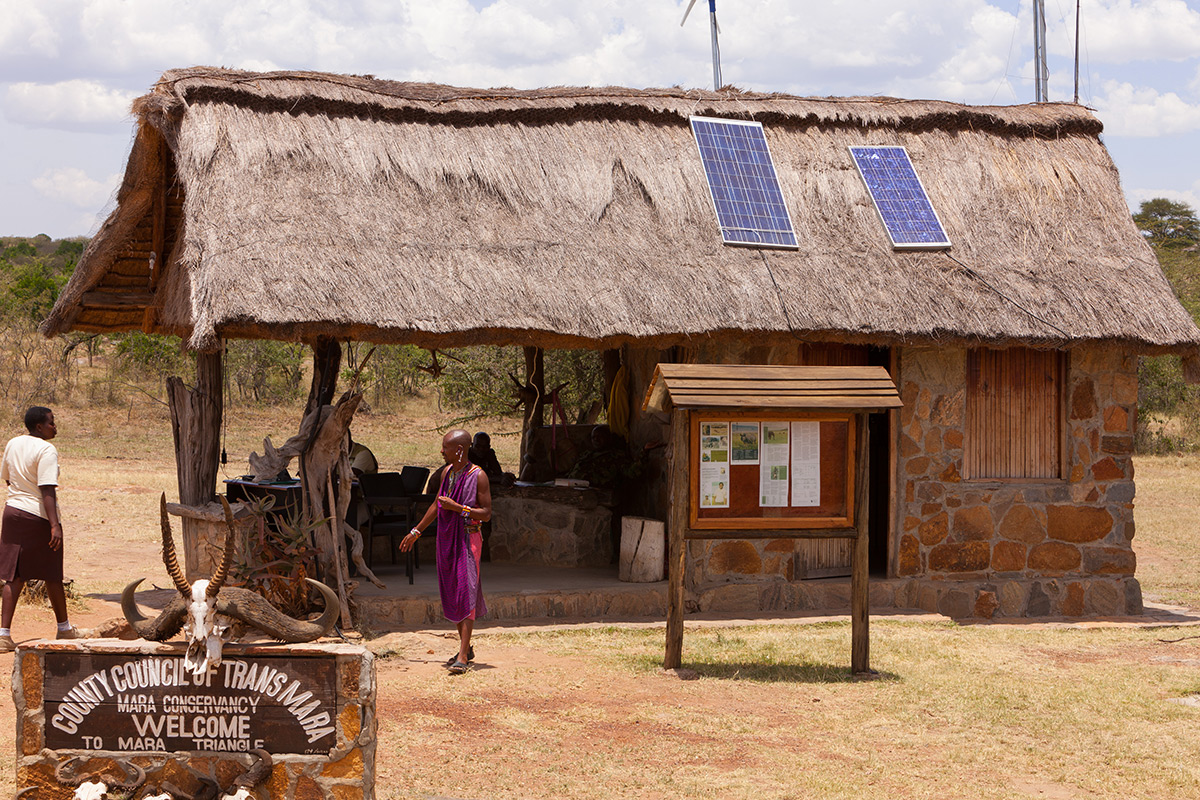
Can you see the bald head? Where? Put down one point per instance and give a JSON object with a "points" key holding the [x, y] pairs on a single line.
{"points": [[454, 447], [457, 437]]}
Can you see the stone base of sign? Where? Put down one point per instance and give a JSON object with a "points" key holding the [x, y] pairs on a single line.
{"points": [[345, 771]]}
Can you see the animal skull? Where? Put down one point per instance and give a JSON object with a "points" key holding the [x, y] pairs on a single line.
{"points": [[91, 790], [206, 632], [95, 786], [204, 610]]}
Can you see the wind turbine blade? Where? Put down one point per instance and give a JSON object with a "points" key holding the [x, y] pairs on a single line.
{"points": [[685, 14]]}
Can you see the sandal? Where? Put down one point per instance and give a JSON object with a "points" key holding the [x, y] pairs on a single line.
{"points": [[470, 657], [458, 667]]}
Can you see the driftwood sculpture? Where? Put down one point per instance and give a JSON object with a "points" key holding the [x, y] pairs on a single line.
{"points": [[205, 608], [322, 447]]}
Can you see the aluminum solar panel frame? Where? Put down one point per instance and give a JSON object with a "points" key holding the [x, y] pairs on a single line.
{"points": [[742, 183], [899, 196]]}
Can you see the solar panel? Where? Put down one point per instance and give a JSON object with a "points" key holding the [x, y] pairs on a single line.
{"points": [[743, 184], [900, 198]]}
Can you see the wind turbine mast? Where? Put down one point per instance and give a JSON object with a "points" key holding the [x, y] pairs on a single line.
{"points": [[716, 47]]}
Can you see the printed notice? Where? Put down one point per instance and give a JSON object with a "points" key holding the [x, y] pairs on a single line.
{"points": [[773, 467], [714, 465], [745, 442], [806, 463]]}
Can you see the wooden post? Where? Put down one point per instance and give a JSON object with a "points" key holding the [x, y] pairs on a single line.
{"points": [[860, 595], [327, 361], [678, 468], [535, 376], [196, 430]]}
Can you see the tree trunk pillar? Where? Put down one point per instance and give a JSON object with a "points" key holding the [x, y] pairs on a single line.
{"points": [[196, 430]]}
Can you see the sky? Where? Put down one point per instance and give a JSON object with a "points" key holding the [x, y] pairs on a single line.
{"points": [[69, 69]]}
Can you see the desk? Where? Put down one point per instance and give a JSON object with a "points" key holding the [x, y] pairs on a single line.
{"points": [[552, 526], [286, 494]]}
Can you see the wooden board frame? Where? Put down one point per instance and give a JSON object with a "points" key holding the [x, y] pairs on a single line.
{"points": [[678, 533], [774, 527]]}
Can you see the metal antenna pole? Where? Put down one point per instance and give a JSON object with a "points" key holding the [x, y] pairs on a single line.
{"points": [[1077, 3], [1041, 73], [716, 29], [716, 48]]}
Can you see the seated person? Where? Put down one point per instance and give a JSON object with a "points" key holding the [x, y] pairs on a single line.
{"points": [[435, 481], [362, 459], [606, 464], [481, 454]]}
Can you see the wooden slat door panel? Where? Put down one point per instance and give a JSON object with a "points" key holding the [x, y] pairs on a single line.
{"points": [[1014, 414]]}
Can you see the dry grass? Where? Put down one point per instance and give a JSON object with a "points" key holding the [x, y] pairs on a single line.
{"points": [[981, 712], [987, 711], [1168, 522]]}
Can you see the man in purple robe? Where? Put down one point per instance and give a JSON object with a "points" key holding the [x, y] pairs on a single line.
{"points": [[464, 501]]}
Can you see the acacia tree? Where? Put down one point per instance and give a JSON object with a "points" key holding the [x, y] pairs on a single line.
{"points": [[1166, 223]]}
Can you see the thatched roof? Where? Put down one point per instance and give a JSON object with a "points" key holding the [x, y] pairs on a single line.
{"points": [[292, 205]]}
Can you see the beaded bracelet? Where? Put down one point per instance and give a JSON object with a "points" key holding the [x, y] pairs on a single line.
{"points": [[415, 533], [466, 512]]}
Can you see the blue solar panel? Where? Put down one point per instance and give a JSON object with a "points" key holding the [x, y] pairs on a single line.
{"points": [[743, 184], [899, 197]]}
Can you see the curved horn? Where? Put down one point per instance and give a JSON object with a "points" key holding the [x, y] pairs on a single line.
{"points": [[257, 773], [252, 609], [222, 572], [65, 772], [164, 626], [168, 551], [21, 792], [133, 775]]}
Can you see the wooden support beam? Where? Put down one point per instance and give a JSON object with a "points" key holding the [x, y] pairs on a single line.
{"points": [[535, 376], [116, 300], [860, 594], [678, 499], [196, 430]]}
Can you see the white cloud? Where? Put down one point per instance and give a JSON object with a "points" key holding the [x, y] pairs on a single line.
{"points": [[75, 187], [1120, 31], [1129, 111], [69, 104], [1135, 197]]}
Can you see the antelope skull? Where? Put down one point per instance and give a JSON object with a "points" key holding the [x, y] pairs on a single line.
{"points": [[204, 609]]}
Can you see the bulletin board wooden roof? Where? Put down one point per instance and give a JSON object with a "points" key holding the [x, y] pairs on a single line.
{"points": [[751, 386]]}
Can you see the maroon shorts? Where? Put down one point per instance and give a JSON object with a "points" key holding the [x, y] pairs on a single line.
{"points": [[25, 548]]}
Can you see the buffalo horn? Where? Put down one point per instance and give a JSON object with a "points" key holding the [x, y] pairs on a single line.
{"points": [[168, 551], [255, 611], [164, 626]]}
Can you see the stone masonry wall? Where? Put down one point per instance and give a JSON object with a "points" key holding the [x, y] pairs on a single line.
{"points": [[976, 548], [347, 772]]}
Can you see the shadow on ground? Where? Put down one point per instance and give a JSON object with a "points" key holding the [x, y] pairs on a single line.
{"points": [[782, 672]]}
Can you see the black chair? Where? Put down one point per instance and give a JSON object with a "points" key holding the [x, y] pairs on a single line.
{"points": [[390, 513], [414, 479]]}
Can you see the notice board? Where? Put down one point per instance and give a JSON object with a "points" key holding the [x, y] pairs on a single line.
{"points": [[771, 470]]}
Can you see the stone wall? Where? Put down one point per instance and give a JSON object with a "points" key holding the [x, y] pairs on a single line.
{"points": [[346, 772], [552, 526], [984, 548]]}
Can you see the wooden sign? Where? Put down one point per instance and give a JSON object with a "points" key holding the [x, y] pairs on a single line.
{"points": [[134, 702]]}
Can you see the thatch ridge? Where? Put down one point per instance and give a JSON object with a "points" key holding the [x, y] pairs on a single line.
{"points": [[571, 216], [364, 96]]}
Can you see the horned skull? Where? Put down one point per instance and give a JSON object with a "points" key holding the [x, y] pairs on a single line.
{"points": [[204, 610]]}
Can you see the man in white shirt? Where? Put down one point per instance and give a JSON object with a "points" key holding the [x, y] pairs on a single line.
{"points": [[31, 536]]}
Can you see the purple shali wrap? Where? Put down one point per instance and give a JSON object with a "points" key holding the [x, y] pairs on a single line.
{"points": [[457, 564]]}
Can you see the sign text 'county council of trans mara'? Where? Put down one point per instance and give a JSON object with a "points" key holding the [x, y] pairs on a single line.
{"points": [[101, 701]]}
